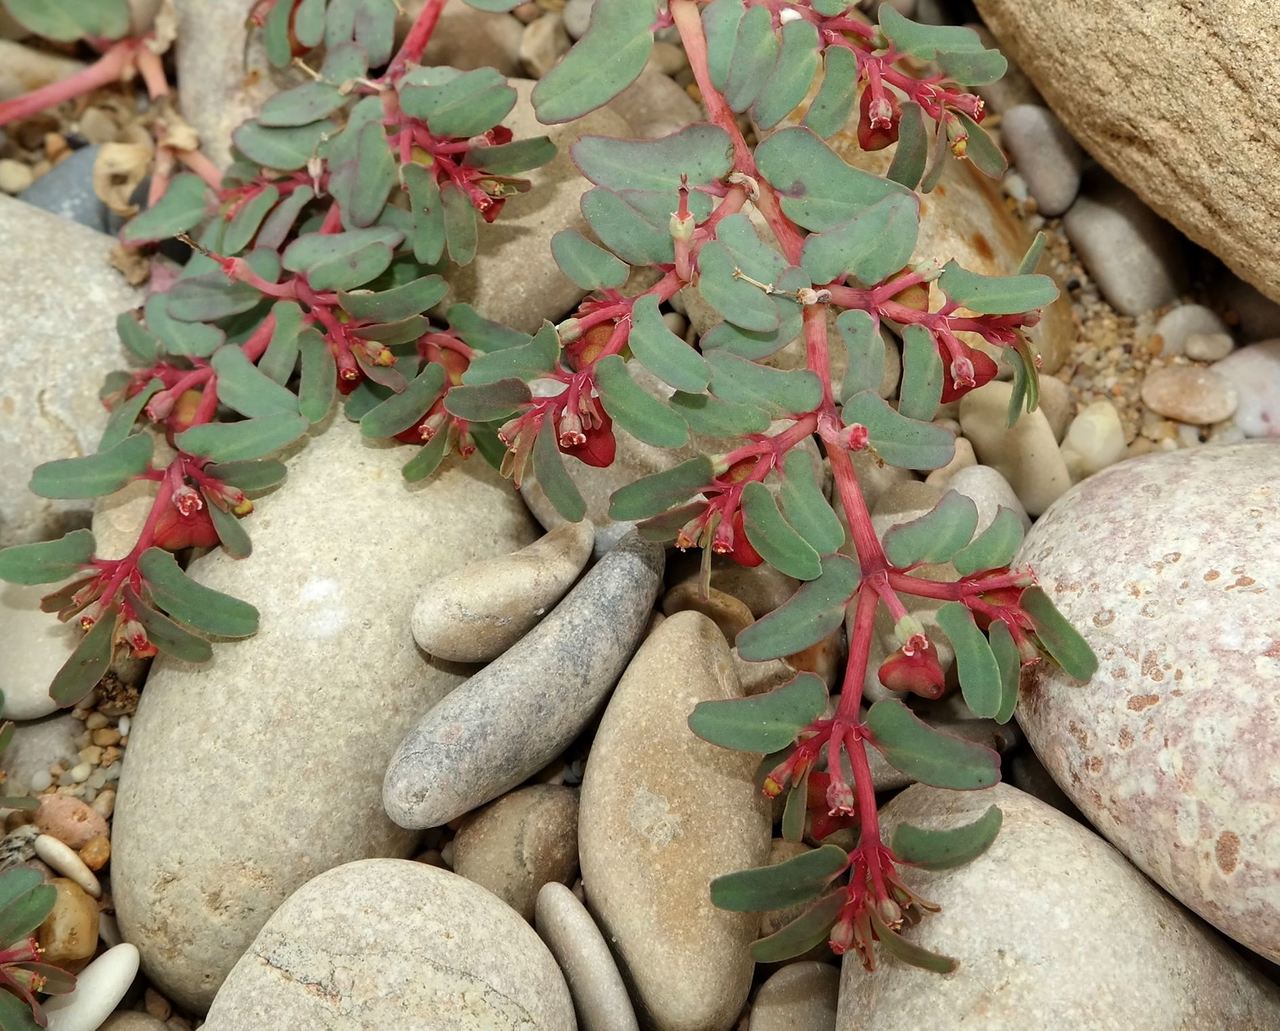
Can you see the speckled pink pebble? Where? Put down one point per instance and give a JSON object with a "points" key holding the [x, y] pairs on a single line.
{"points": [[69, 820], [1169, 567]]}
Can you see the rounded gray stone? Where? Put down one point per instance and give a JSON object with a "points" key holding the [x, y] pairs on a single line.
{"points": [[1180, 323], [1048, 158], [390, 945], [799, 997]]}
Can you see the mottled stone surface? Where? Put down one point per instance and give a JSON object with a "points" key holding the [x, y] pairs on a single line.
{"points": [[1189, 126], [663, 812], [389, 945], [520, 711], [481, 610], [56, 346], [599, 996], [1167, 565], [247, 776], [1053, 929]]}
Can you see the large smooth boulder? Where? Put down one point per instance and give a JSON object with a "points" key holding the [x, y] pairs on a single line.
{"points": [[1052, 929], [1175, 99], [1168, 566], [389, 945], [57, 343], [250, 775]]}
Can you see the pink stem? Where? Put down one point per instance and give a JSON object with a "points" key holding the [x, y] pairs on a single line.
{"points": [[109, 68]]}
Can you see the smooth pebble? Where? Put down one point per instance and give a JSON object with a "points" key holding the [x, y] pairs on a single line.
{"points": [[1189, 394], [1254, 372], [1179, 324], [1094, 440], [67, 862], [99, 988], [799, 997], [1048, 158]]}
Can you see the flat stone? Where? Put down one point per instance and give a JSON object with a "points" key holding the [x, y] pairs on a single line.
{"points": [[520, 711], [313, 704], [1178, 324], [521, 841], [599, 996], [1048, 158], [1254, 372], [1162, 116], [478, 612], [1189, 394], [66, 190], [1162, 749], [1053, 929], [799, 997], [389, 945], [63, 297], [1209, 347], [28, 671], [652, 834]]}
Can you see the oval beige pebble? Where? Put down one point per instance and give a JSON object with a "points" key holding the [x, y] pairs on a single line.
{"points": [[1189, 394], [129, 1020], [799, 997], [663, 813], [69, 820], [599, 996], [478, 612], [521, 841], [66, 861], [1053, 930], [392, 945], [99, 988]]}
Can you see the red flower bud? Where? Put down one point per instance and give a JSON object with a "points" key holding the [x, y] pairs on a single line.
{"points": [[878, 120], [596, 446], [958, 378], [914, 669], [175, 530], [731, 540]]}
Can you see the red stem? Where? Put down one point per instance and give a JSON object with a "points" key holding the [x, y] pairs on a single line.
{"points": [[416, 41], [109, 68]]}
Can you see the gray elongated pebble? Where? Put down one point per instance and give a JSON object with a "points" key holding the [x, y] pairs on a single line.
{"points": [[520, 711]]}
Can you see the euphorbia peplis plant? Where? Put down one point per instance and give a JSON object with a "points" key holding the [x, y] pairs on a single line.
{"points": [[316, 276]]}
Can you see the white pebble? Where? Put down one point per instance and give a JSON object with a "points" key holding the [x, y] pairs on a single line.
{"points": [[1048, 158], [109, 930], [1209, 347], [1094, 440], [40, 781], [124, 725], [113, 771], [1178, 325], [99, 988], [80, 772], [64, 860]]}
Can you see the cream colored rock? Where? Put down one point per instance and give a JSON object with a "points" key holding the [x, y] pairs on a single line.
{"points": [[1094, 440], [389, 945], [1056, 403], [799, 997], [1198, 143], [1189, 394], [1026, 454], [664, 812], [655, 105], [1053, 929], [478, 612], [280, 742], [28, 670], [964, 458], [467, 38], [520, 842], [990, 492], [24, 69], [128, 1020], [1167, 564]]}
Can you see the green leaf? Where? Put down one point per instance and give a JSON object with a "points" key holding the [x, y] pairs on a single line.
{"points": [[980, 679], [666, 526], [804, 619], [460, 231], [190, 339], [1032, 258], [996, 295], [900, 441], [870, 246], [949, 848], [16, 1015], [370, 24], [909, 952], [25, 901], [399, 302], [981, 150], [994, 548], [194, 604], [528, 361], [140, 342], [427, 235], [774, 538], [1058, 637], [928, 755], [720, 21], [795, 809], [318, 383], [94, 475], [281, 355], [308, 27], [235, 541], [805, 506], [183, 205], [755, 52], [777, 391], [604, 62], [912, 153], [626, 228], [239, 441], [276, 35], [713, 417], [792, 75], [488, 402], [253, 478], [1010, 663], [301, 105], [661, 351], [654, 494], [47, 562], [248, 220], [125, 414], [805, 932], [279, 224], [922, 376], [248, 390], [283, 149], [457, 104], [782, 885], [1026, 379], [553, 478], [87, 664], [210, 296], [636, 410], [818, 189], [701, 151], [587, 264], [361, 185], [427, 460], [940, 43], [342, 261], [738, 301], [400, 411], [67, 21], [511, 158], [865, 348], [829, 112], [763, 722], [481, 334], [167, 635], [935, 536]]}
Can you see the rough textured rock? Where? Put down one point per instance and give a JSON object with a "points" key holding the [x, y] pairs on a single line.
{"points": [[279, 743], [1190, 128], [520, 842], [662, 813], [1167, 564], [1053, 929], [56, 347], [520, 711], [799, 997], [389, 945]]}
